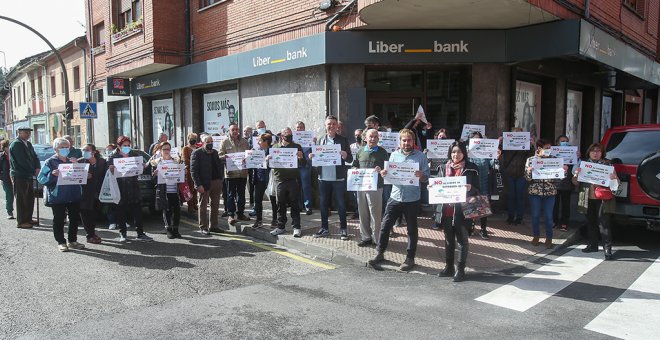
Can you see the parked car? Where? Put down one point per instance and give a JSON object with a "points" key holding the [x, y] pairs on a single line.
{"points": [[43, 152], [627, 147]]}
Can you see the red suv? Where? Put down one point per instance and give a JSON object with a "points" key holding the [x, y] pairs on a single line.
{"points": [[626, 147]]}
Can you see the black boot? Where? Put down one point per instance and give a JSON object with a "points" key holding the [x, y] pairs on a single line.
{"points": [[590, 249], [170, 235], [380, 257], [608, 253], [175, 232], [449, 269], [460, 272]]}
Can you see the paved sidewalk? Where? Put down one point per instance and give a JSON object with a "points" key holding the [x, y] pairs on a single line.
{"points": [[507, 247]]}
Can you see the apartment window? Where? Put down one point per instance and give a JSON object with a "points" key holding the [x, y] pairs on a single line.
{"points": [[62, 81], [99, 35], [636, 6], [124, 19], [137, 10], [40, 85], [16, 99], [32, 92], [206, 3], [53, 91], [76, 78], [24, 93]]}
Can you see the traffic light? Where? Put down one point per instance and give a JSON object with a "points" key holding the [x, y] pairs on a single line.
{"points": [[68, 112]]}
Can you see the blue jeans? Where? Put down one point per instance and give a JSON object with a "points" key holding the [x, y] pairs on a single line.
{"points": [[547, 204], [515, 196], [327, 190], [306, 184]]}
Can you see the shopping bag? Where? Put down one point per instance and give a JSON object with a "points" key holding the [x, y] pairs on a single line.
{"points": [[270, 189], [184, 192], [477, 209], [110, 189]]}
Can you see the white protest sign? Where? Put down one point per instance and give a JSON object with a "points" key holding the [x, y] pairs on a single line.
{"points": [[304, 138], [72, 173], [438, 148], [547, 168], [255, 159], [447, 190], [128, 166], [286, 158], [174, 152], [171, 173], [515, 141], [595, 173], [483, 148], [362, 180], [568, 153], [326, 155], [354, 149], [388, 141], [468, 129], [217, 141], [401, 173], [235, 161]]}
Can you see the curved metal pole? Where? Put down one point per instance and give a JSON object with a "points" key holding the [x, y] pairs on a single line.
{"points": [[59, 58]]}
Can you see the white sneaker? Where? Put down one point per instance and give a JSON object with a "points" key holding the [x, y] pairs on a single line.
{"points": [[277, 231], [76, 245], [121, 238], [112, 226], [297, 232], [62, 247], [204, 232]]}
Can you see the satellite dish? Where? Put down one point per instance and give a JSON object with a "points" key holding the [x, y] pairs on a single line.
{"points": [[648, 175]]}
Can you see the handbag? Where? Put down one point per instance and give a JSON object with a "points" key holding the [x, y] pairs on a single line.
{"points": [[184, 192], [477, 209], [603, 193]]}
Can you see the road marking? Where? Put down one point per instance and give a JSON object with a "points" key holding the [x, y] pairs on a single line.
{"points": [[635, 314], [535, 287], [278, 251]]}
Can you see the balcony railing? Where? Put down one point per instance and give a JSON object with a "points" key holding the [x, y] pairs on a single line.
{"points": [[130, 30], [98, 49]]}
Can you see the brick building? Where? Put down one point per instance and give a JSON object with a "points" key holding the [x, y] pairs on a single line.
{"points": [[551, 66]]}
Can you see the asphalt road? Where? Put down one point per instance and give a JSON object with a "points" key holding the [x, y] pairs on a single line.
{"points": [[220, 287]]}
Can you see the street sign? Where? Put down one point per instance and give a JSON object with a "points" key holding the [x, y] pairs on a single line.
{"points": [[88, 110]]}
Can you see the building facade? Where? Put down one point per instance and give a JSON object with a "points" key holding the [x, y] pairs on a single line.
{"points": [[551, 67]]}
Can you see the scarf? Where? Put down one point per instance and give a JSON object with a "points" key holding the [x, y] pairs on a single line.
{"points": [[454, 169]]}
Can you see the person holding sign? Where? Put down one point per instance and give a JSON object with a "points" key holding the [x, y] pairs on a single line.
{"points": [[332, 179], [404, 198], [306, 173], [597, 202], [285, 184], [370, 203], [130, 193], [484, 166], [541, 194], [237, 179], [562, 211], [90, 206], [450, 216], [167, 194], [62, 199], [261, 178], [513, 168]]}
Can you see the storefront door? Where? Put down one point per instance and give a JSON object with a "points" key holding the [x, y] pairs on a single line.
{"points": [[394, 111]]}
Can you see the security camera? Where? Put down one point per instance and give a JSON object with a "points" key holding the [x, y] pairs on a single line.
{"points": [[326, 5]]}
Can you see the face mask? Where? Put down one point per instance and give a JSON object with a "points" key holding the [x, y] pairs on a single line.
{"points": [[63, 152], [209, 146], [564, 143], [288, 138], [358, 139], [192, 142], [261, 131], [87, 154], [125, 149]]}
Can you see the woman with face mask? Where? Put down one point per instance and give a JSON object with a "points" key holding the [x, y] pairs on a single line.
{"points": [[62, 199], [90, 206], [562, 210], [167, 195], [541, 195], [129, 205], [186, 153]]}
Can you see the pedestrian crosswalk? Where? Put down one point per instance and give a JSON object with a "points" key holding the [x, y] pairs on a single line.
{"points": [[634, 314]]}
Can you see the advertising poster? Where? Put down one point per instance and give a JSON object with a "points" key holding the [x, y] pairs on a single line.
{"points": [[573, 116], [528, 108], [163, 118], [606, 115], [220, 109]]}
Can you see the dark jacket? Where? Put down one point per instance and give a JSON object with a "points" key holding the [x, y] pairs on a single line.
{"points": [[346, 147], [281, 174], [566, 184], [23, 160], [513, 162], [421, 134], [91, 190], [58, 194], [201, 167], [4, 167], [370, 160], [128, 186], [471, 174], [75, 153]]}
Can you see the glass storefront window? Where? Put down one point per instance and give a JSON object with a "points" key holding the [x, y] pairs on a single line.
{"points": [[395, 81]]}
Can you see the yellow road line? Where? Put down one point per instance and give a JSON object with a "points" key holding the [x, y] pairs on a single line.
{"points": [[420, 50], [275, 61], [269, 248]]}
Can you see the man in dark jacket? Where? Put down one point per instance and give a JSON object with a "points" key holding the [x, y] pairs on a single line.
{"points": [[24, 165], [207, 173], [332, 179]]}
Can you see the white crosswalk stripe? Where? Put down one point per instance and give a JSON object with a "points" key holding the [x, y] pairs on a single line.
{"points": [[636, 314], [535, 287]]}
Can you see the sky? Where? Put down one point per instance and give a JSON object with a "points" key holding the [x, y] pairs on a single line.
{"points": [[60, 21]]}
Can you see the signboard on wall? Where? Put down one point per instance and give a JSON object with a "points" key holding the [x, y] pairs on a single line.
{"points": [[119, 87], [220, 109], [163, 118], [573, 116], [606, 115], [528, 108]]}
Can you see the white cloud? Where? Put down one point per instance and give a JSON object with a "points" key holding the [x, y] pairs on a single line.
{"points": [[59, 21]]}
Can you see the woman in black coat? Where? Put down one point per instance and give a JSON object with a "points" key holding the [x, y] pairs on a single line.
{"points": [[450, 216], [7, 185], [90, 206]]}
